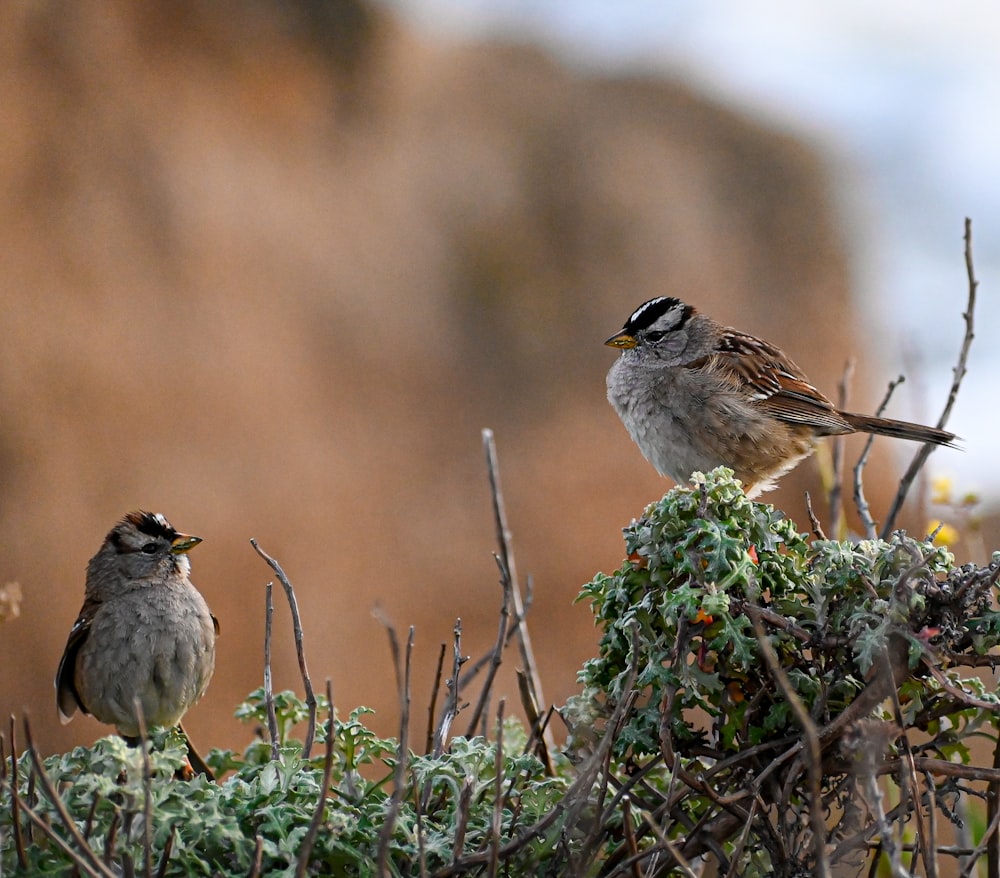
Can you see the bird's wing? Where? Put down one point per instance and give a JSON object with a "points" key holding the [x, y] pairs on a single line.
{"points": [[67, 698], [773, 382]]}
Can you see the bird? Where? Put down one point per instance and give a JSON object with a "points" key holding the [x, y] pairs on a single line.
{"points": [[144, 634], [695, 394]]}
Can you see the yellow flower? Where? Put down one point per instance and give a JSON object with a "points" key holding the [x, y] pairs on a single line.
{"points": [[941, 490], [946, 535]]}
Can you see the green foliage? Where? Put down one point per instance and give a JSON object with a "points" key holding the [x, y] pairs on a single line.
{"points": [[218, 823], [681, 723], [698, 559]]}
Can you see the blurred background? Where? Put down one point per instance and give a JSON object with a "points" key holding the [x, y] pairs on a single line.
{"points": [[269, 268]]}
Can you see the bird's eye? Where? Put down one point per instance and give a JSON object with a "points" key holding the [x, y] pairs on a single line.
{"points": [[655, 336], [149, 548]]}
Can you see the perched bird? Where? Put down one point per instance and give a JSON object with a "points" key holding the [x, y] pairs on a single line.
{"points": [[144, 634], [695, 394]]}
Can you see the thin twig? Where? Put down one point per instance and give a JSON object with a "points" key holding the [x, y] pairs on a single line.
{"points": [[305, 849], [871, 531], [838, 454], [958, 373], [462, 819], [498, 800], [402, 753], [432, 708], [813, 754], [506, 553], [450, 710], [944, 768], [258, 857], [578, 797], [147, 792], [986, 843], [630, 843], [272, 714], [497, 653], [931, 847], [86, 858], [111, 839], [421, 836], [817, 527], [168, 848], [890, 844], [537, 724], [993, 810], [299, 648], [672, 849], [909, 790], [79, 861], [22, 856], [737, 854]]}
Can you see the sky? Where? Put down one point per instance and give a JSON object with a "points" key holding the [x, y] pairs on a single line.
{"points": [[900, 96]]}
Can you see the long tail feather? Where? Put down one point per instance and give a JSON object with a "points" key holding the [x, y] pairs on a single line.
{"points": [[900, 429]]}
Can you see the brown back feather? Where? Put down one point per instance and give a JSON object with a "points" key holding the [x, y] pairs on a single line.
{"points": [[773, 381]]}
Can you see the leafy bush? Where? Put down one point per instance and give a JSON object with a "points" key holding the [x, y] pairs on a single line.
{"points": [[777, 705]]}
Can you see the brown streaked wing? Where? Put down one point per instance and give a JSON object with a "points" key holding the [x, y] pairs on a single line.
{"points": [[773, 382]]}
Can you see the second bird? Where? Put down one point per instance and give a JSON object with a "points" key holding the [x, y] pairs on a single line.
{"points": [[144, 635], [695, 394]]}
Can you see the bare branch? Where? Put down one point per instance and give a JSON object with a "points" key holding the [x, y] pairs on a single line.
{"points": [[958, 373], [506, 553], [147, 792], [496, 655], [299, 648], [498, 799], [814, 522], [168, 848], [15, 783], [305, 850], [537, 724], [258, 858], [838, 454], [451, 705], [272, 716], [871, 531], [432, 707], [812, 752], [402, 752], [84, 856]]}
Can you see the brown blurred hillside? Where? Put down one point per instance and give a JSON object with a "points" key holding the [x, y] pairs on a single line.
{"points": [[270, 267]]}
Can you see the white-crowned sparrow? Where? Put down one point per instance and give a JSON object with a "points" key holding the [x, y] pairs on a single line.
{"points": [[145, 632], [695, 394]]}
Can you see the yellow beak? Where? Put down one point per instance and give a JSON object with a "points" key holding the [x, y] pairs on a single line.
{"points": [[184, 543], [622, 340]]}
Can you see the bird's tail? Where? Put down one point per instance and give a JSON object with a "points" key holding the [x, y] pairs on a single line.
{"points": [[900, 429]]}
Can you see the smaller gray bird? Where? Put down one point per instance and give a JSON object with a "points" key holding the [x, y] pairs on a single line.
{"points": [[144, 633], [695, 394]]}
